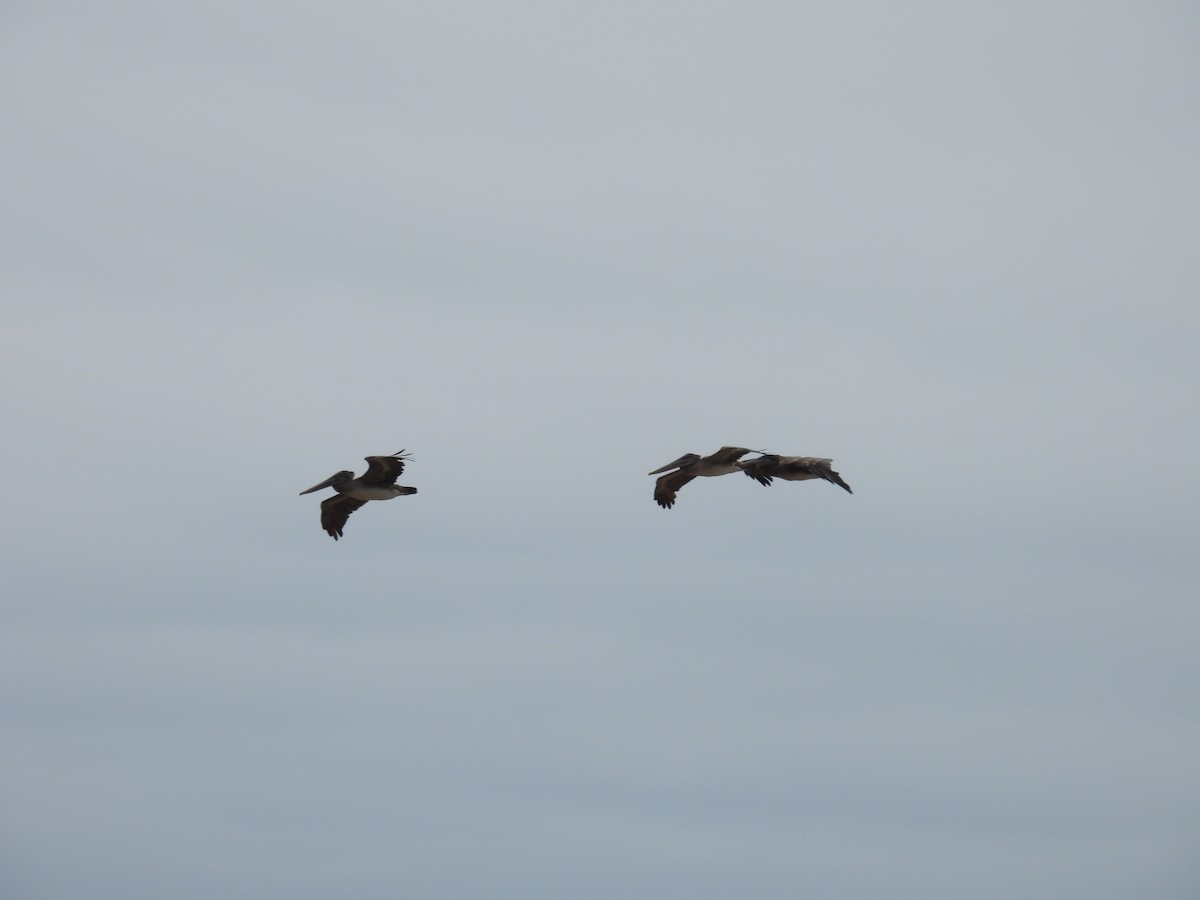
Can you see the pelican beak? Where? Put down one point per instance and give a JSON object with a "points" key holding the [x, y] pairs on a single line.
{"points": [[670, 465], [324, 484]]}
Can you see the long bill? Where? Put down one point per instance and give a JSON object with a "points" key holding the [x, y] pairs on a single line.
{"points": [[687, 457], [324, 484]]}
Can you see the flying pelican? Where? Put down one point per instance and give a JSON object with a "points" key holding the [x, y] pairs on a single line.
{"points": [[690, 466], [377, 483], [791, 468]]}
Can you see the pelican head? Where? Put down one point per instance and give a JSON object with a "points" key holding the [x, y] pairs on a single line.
{"points": [[331, 481], [686, 460]]}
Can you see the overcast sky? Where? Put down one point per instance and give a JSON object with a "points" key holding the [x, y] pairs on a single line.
{"points": [[546, 248]]}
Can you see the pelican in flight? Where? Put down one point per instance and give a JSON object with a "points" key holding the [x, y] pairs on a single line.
{"points": [[377, 483], [690, 466], [791, 468]]}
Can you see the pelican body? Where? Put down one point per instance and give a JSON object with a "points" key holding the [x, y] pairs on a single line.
{"points": [[791, 468], [377, 483], [692, 465]]}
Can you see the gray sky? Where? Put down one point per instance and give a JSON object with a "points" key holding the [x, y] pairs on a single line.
{"points": [[548, 247]]}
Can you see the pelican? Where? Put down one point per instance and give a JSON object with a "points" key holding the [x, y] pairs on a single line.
{"points": [[377, 483], [690, 466], [791, 468]]}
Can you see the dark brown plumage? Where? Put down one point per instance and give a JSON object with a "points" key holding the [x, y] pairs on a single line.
{"points": [[335, 511], [666, 487]]}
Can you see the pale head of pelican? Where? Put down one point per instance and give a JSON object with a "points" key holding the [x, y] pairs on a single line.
{"points": [[332, 480]]}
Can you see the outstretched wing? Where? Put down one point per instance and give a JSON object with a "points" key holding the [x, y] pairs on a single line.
{"points": [[759, 469], [668, 486], [336, 510], [829, 475], [384, 470]]}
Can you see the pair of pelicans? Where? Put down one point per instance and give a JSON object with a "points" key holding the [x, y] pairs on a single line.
{"points": [[379, 481]]}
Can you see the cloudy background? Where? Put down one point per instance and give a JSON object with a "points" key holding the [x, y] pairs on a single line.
{"points": [[547, 247]]}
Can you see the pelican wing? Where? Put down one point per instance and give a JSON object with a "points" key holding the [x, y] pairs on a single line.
{"points": [[837, 479], [336, 510], [826, 472], [761, 469], [383, 470], [668, 486]]}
